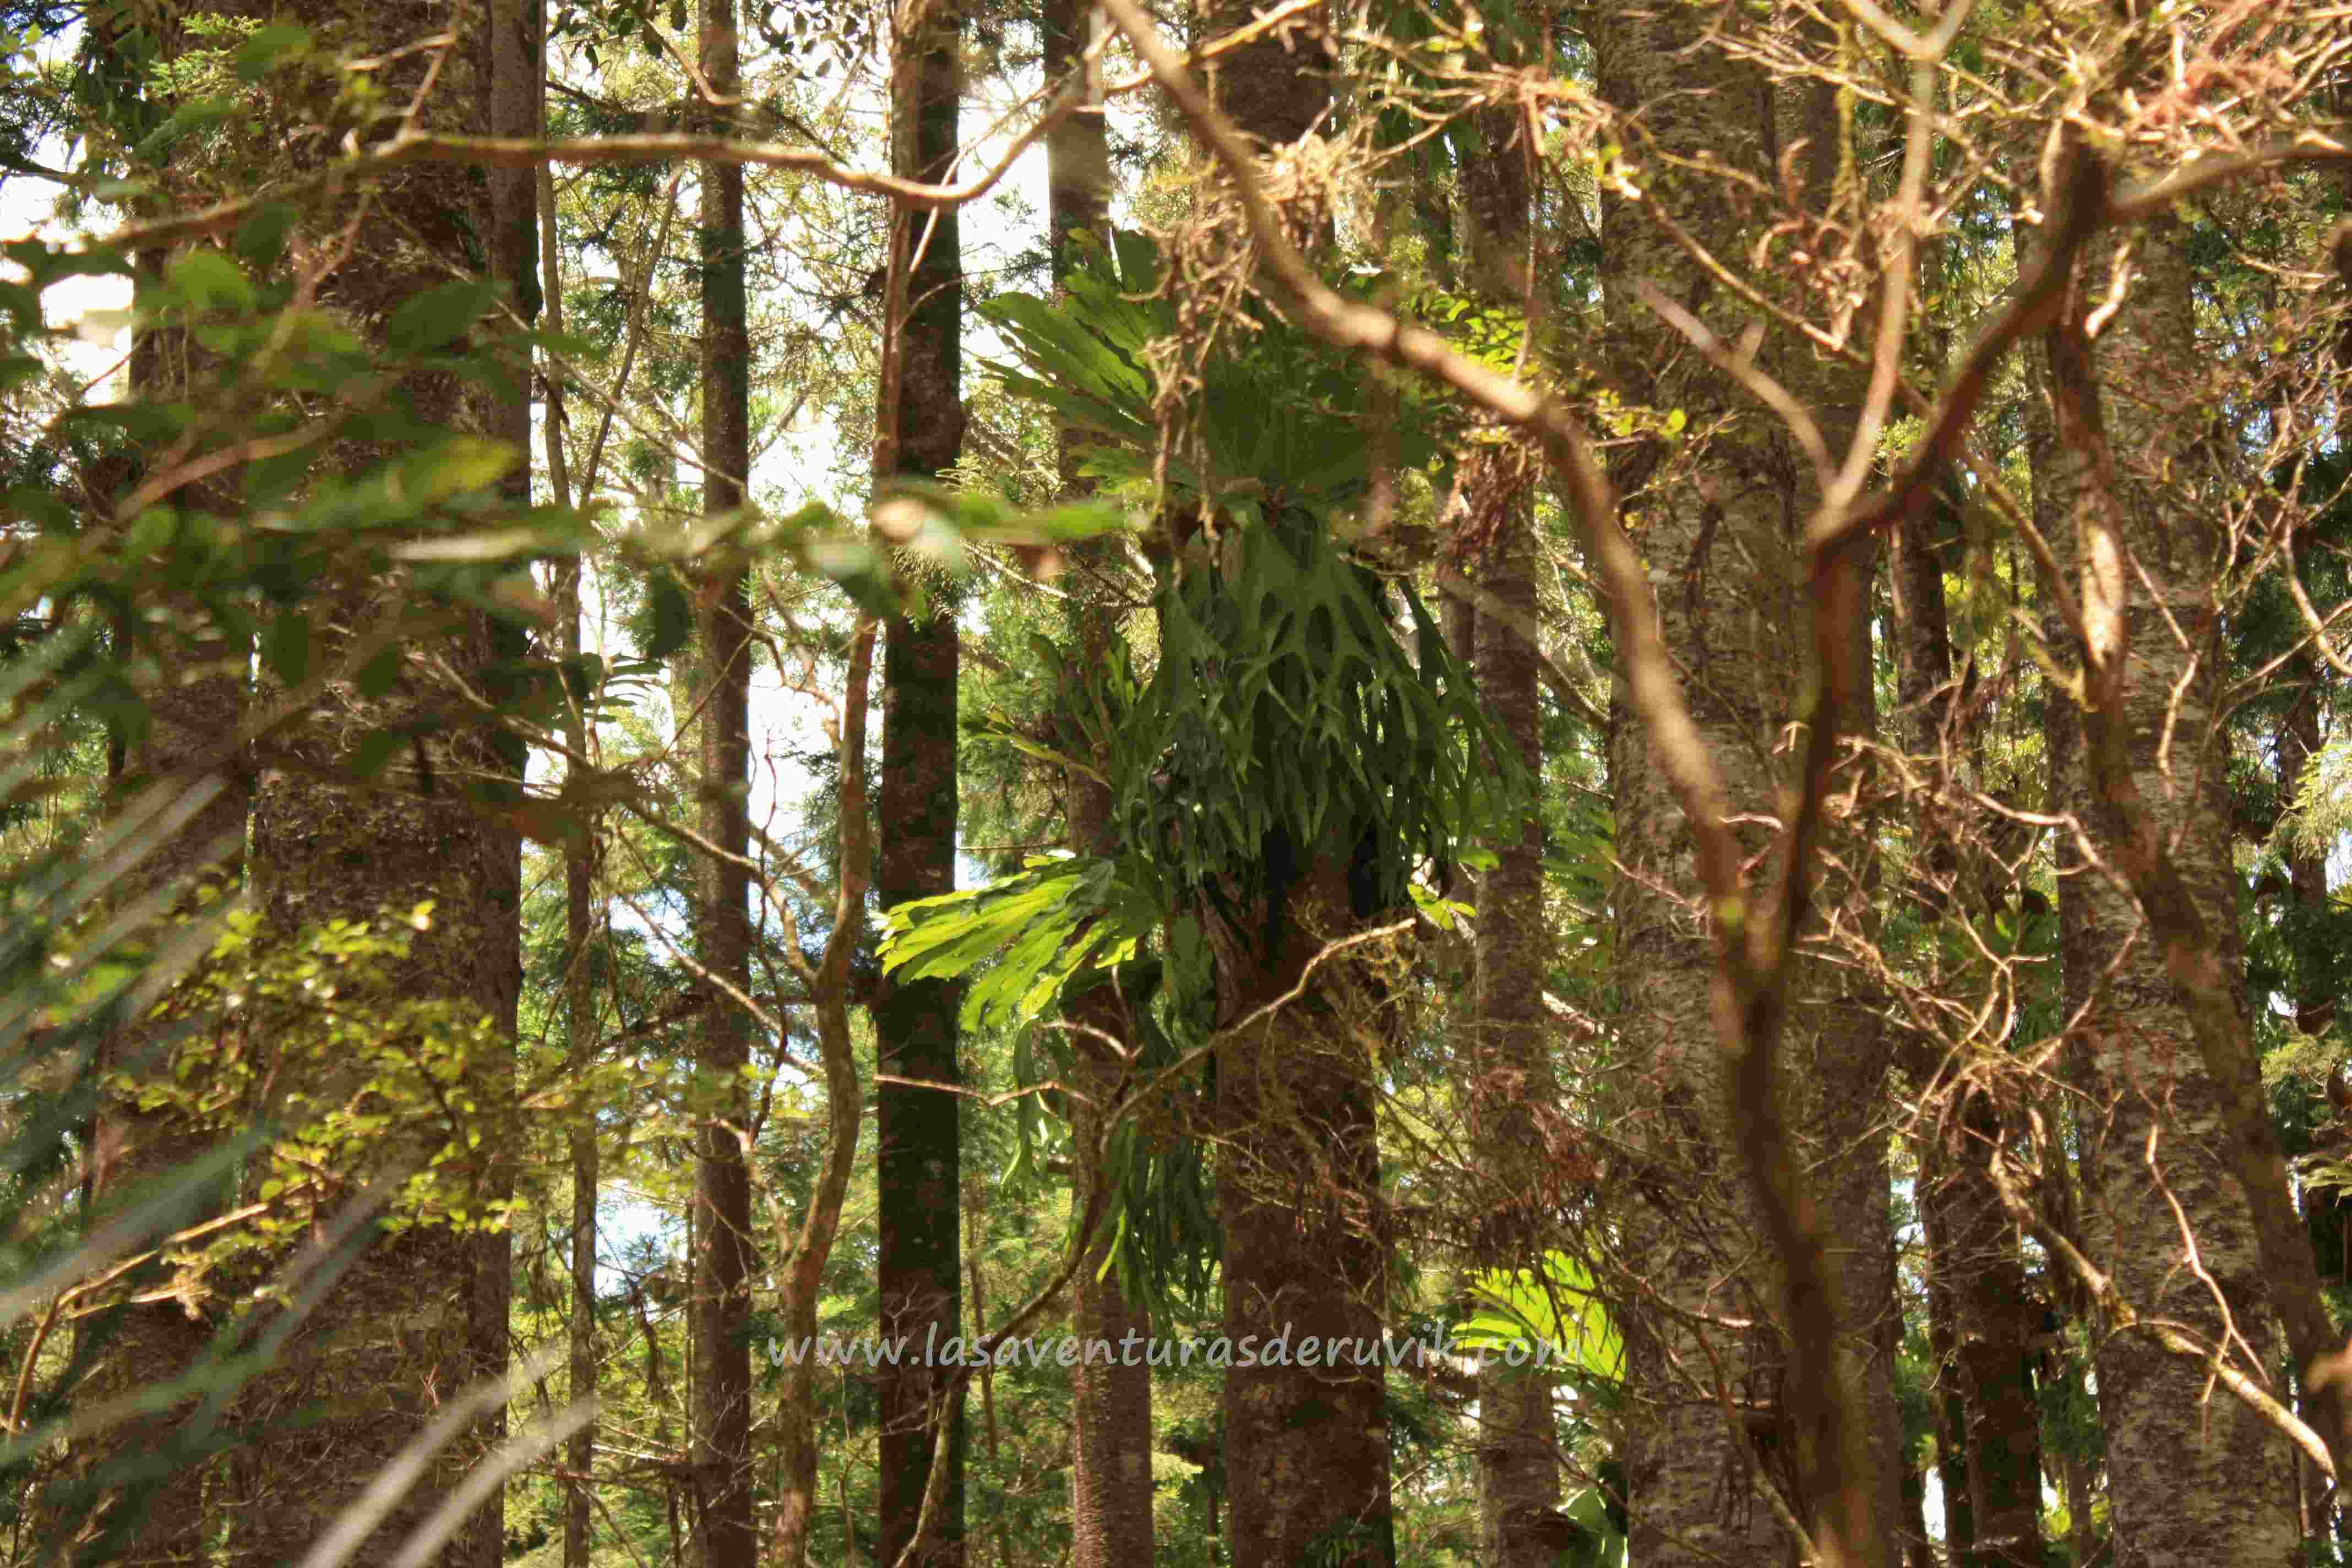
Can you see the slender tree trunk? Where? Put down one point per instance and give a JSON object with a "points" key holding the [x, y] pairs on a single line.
{"points": [[2300, 738], [1948, 1405], [1997, 1319], [721, 1431], [2326, 1211], [1977, 1272], [1511, 1087], [1110, 1454], [1854, 1046], [918, 1159], [517, 75], [1305, 1457], [2191, 1479], [580, 1014], [580, 1027], [802, 1256]]}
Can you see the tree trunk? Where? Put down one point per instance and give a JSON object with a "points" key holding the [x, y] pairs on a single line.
{"points": [[2300, 738], [1704, 1466], [1306, 1453], [2191, 1479], [409, 1324], [517, 69], [1998, 1319], [580, 1015], [721, 1436], [1983, 1302], [1111, 1452], [1510, 1088], [144, 1343], [917, 1163], [1948, 1406], [1691, 1479]]}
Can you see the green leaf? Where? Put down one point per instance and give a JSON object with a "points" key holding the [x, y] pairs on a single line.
{"points": [[438, 316], [453, 467], [270, 479], [376, 676], [374, 750], [205, 280], [285, 647], [261, 238], [188, 117], [668, 619], [270, 47]]}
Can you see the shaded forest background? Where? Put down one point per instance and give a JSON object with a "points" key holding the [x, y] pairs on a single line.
{"points": [[1658, 678]]}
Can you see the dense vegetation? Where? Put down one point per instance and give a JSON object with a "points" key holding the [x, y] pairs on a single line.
{"points": [[770, 773]]}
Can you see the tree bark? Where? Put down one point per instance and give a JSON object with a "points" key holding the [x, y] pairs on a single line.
{"points": [[145, 1343], [2300, 738], [1704, 1465], [720, 1439], [1985, 1317], [1110, 1451], [1511, 1087], [517, 76], [1998, 1319], [581, 1022], [1306, 1452], [410, 1323], [918, 1164], [2190, 1480]]}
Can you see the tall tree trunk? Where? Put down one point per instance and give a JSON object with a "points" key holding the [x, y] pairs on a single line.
{"points": [[410, 1322], [1705, 1468], [721, 1435], [1305, 1457], [580, 1014], [1854, 1046], [516, 65], [1997, 1319], [1983, 1364], [1948, 1404], [1693, 1485], [2191, 1479], [2326, 1211], [1491, 523], [1110, 1453], [2300, 738], [919, 1158], [143, 1344]]}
